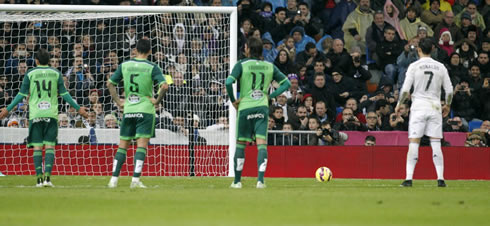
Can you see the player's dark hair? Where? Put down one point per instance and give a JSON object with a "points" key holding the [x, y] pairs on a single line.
{"points": [[42, 55], [143, 46], [255, 46], [426, 45], [370, 138]]}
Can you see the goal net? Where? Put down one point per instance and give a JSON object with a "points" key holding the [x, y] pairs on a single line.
{"points": [[194, 46]]}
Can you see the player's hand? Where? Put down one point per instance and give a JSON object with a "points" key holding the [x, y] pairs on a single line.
{"points": [[446, 109], [4, 113], [83, 112], [120, 105], [236, 103], [154, 101], [397, 108]]}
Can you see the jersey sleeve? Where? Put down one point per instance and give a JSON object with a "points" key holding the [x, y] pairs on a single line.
{"points": [[157, 75], [409, 79], [446, 83], [278, 76], [117, 76], [236, 72], [24, 88], [61, 86]]}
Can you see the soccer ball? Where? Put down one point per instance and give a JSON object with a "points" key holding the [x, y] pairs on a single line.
{"points": [[323, 174]]}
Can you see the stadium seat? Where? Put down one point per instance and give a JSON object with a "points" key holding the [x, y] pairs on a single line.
{"points": [[339, 110], [474, 124]]}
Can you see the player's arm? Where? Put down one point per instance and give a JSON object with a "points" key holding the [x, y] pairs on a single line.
{"points": [[405, 91], [158, 76], [235, 75], [283, 82], [67, 97], [24, 91], [448, 88], [111, 85]]}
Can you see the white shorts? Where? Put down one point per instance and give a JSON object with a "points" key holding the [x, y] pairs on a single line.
{"points": [[425, 122]]}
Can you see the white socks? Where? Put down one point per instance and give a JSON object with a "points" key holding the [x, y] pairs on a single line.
{"points": [[437, 158], [114, 179], [412, 157], [135, 179]]}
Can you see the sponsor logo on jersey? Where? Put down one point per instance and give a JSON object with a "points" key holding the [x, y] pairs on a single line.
{"points": [[44, 105], [257, 94], [134, 99], [253, 116], [133, 115], [41, 120]]}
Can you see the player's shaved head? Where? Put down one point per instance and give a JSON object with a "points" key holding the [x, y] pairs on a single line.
{"points": [[255, 47], [143, 46], [425, 45], [42, 55]]}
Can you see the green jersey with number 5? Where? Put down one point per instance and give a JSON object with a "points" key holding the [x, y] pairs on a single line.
{"points": [[138, 76], [43, 84], [255, 77]]}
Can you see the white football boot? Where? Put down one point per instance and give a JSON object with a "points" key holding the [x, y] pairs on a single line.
{"points": [[236, 186], [260, 185], [137, 184]]}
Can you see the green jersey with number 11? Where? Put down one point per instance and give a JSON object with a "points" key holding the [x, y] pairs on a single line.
{"points": [[255, 77], [138, 76]]}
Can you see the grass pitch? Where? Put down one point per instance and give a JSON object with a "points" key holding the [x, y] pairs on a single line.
{"points": [[82, 200]]}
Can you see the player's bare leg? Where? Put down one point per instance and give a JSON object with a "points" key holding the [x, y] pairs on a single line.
{"points": [[412, 158], [139, 159], [438, 160], [238, 162], [38, 165], [48, 165], [261, 161], [118, 162]]}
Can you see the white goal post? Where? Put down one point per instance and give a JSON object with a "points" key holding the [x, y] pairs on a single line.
{"points": [[199, 146]]}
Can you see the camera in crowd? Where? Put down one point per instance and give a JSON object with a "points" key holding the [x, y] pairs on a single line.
{"points": [[330, 132], [356, 59]]}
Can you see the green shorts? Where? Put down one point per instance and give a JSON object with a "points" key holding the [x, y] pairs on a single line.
{"points": [[42, 131], [137, 125], [252, 121]]}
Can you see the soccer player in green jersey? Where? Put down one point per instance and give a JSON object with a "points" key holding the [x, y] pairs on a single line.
{"points": [[138, 120], [255, 76], [42, 85]]}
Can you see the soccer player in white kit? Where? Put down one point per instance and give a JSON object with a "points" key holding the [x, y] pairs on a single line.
{"points": [[427, 76]]}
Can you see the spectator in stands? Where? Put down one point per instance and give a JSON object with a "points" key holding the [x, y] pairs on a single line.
{"points": [[283, 62], [356, 25], [300, 38], [373, 121], [318, 67], [391, 16], [476, 80], [280, 25], [454, 125], [344, 88], [484, 100], [459, 6], [277, 114], [411, 23], [300, 121], [308, 102], [370, 141], [352, 104], [5, 94], [311, 139], [432, 16], [349, 122], [282, 102], [329, 136], [63, 121], [483, 63], [221, 125], [464, 101], [294, 94], [456, 69], [80, 77], [333, 24], [475, 140], [358, 71], [484, 130], [383, 110], [287, 138], [20, 55], [375, 33], [322, 112], [309, 56], [31, 44], [289, 44], [177, 95], [311, 23], [67, 34], [15, 80], [445, 41], [388, 51], [475, 17], [408, 56], [269, 51], [129, 39], [110, 121], [339, 57], [467, 52], [55, 63], [399, 120], [99, 114], [485, 44], [448, 22], [214, 69], [320, 92]]}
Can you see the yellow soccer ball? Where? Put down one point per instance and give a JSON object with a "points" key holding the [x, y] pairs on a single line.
{"points": [[323, 174]]}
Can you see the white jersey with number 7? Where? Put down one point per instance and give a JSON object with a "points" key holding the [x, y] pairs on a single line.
{"points": [[427, 77]]}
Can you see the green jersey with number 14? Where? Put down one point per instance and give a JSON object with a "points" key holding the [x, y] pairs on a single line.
{"points": [[255, 77], [43, 84], [138, 76]]}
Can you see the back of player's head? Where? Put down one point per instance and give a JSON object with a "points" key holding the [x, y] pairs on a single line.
{"points": [[255, 47], [425, 45], [143, 46], [42, 55]]}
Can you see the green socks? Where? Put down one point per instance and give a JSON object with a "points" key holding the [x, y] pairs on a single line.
{"points": [[139, 159], [38, 162], [119, 160], [261, 161], [48, 161], [239, 160]]}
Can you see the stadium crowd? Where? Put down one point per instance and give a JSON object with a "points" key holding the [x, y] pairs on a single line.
{"points": [[346, 61]]}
